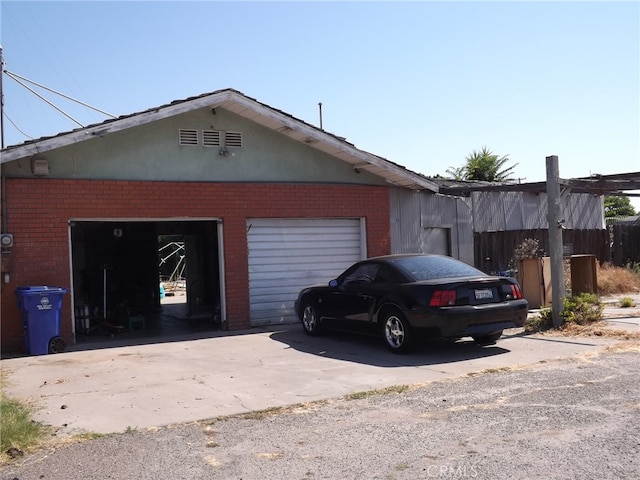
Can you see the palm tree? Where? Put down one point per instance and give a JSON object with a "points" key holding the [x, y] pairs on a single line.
{"points": [[457, 173], [485, 166]]}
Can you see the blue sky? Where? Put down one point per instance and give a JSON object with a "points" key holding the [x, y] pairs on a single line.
{"points": [[419, 83]]}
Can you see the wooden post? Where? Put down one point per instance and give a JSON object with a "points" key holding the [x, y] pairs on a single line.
{"points": [[556, 224]]}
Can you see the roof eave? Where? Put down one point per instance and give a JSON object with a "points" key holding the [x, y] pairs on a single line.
{"points": [[251, 109], [108, 127]]}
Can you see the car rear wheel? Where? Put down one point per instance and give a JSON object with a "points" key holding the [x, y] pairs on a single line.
{"points": [[396, 331], [488, 339], [310, 319]]}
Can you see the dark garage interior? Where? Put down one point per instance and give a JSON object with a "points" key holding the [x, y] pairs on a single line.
{"points": [[117, 273]]}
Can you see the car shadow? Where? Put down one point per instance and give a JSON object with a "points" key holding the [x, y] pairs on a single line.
{"points": [[371, 350]]}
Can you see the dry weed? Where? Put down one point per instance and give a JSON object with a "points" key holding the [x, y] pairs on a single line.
{"points": [[614, 280], [598, 329]]}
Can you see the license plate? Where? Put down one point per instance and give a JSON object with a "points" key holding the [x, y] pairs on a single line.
{"points": [[484, 294]]}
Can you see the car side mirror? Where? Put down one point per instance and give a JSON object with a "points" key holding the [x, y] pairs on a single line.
{"points": [[333, 283]]}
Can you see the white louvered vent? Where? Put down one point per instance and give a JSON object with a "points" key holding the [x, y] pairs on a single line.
{"points": [[233, 139], [211, 138], [188, 137]]}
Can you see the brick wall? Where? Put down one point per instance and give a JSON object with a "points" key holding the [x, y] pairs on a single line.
{"points": [[39, 211]]}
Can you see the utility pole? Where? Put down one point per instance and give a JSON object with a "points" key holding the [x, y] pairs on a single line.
{"points": [[556, 224], [1, 100], [5, 252]]}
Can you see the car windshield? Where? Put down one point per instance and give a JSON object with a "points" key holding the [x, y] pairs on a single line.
{"points": [[429, 268]]}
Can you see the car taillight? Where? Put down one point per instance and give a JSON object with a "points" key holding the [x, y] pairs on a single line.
{"points": [[443, 298], [516, 293]]}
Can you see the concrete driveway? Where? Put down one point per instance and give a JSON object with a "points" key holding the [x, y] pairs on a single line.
{"points": [[115, 389]]}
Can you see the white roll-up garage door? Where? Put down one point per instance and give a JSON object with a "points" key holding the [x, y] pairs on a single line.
{"points": [[286, 255]]}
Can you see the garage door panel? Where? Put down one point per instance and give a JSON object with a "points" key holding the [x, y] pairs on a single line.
{"points": [[286, 255], [308, 234], [273, 225], [294, 269], [279, 292], [292, 286], [299, 281], [300, 247], [273, 316], [279, 300], [278, 270], [301, 262]]}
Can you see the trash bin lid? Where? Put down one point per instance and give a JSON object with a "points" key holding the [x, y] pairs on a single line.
{"points": [[39, 290]]}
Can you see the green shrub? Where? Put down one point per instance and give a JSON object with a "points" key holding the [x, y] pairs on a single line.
{"points": [[539, 323], [627, 302], [582, 309]]}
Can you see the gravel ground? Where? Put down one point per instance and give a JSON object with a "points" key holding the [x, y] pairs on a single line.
{"points": [[577, 418]]}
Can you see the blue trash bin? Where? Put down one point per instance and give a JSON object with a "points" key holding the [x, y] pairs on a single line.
{"points": [[40, 307]]}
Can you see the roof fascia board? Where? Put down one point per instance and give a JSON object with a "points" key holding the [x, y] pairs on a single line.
{"points": [[211, 101], [108, 127], [328, 139]]}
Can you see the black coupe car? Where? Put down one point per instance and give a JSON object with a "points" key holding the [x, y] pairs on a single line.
{"points": [[405, 296]]}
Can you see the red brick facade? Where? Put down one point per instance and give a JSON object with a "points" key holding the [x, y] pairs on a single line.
{"points": [[39, 211]]}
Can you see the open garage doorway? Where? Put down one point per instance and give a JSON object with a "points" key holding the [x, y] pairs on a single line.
{"points": [[172, 262], [120, 278]]}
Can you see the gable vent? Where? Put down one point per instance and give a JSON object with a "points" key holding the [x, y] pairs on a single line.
{"points": [[188, 137], [211, 138], [233, 139]]}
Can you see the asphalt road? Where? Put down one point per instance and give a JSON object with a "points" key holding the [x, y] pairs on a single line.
{"points": [[569, 418]]}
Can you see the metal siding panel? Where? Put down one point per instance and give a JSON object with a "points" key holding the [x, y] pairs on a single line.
{"points": [[437, 221], [512, 207], [431, 211], [438, 211], [463, 238], [395, 219], [534, 217], [586, 212], [411, 212], [487, 212], [599, 221], [405, 221], [285, 255], [435, 240]]}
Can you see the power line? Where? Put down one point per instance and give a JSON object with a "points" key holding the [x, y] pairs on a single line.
{"points": [[15, 76], [21, 81], [10, 75], [16, 126]]}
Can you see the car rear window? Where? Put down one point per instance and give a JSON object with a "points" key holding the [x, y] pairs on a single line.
{"points": [[429, 268]]}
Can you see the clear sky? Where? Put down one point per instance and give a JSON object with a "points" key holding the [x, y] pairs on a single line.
{"points": [[419, 83]]}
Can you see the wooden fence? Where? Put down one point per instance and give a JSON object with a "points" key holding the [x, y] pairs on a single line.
{"points": [[626, 244], [494, 250]]}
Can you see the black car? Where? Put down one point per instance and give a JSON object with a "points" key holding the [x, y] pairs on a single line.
{"points": [[405, 296]]}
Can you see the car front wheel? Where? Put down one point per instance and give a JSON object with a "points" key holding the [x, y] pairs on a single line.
{"points": [[396, 331], [311, 320]]}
